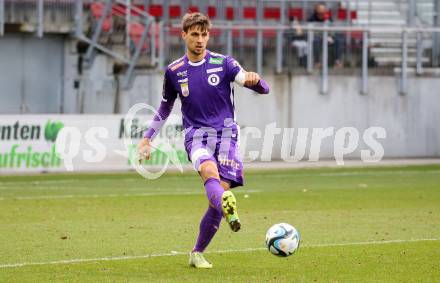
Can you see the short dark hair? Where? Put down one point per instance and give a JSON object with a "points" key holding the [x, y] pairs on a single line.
{"points": [[190, 20]]}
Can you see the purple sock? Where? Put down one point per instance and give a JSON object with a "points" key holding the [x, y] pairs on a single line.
{"points": [[208, 227], [214, 192]]}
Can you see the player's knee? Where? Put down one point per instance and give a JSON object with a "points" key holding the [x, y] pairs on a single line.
{"points": [[226, 186], [208, 169]]}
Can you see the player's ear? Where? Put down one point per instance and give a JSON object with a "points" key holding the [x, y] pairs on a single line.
{"points": [[183, 34]]}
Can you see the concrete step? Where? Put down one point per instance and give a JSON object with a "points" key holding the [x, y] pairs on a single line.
{"points": [[391, 50], [379, 14], [388, 45], [376, 5], [425, 5], [397, 42], [390, 41], [425, 71], [387, 61], [382, 22], [388, 35]]}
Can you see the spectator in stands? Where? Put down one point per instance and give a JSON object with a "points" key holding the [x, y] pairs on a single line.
{"points": [[321, 14], [299, 41]]}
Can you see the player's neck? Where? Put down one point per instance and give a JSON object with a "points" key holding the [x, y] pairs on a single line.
{"points": [[195, 58]]}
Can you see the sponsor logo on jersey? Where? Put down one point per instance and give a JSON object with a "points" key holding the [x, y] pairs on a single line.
{"points": [[185, 89], [173, 68], [214, 70], [182, 73], [216, 61], [183, 80], [213, 79], [225, 161]]}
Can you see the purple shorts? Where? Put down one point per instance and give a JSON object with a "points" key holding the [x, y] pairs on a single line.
{"points": [[219, 146]]}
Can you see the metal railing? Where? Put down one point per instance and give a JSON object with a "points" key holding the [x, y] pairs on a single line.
{"points": [[313, 30], [134, 36], [40, 12], [121, 30], [38, 16]]}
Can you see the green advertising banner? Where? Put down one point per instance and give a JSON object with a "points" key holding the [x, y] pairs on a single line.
{"points": [[58, 143]]}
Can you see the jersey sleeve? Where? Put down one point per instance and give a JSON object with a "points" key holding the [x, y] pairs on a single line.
{"points": [[168, 92], [233, 68]]}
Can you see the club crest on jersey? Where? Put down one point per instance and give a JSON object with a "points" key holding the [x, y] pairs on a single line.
{"points": [[213, 79], [185, 89]]}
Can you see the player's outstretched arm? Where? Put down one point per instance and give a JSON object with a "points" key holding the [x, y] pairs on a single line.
{"points": [[164, 110], [250, 80], [254, 82]]}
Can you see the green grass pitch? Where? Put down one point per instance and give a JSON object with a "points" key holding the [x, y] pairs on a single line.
{"points": [[356, 225]]}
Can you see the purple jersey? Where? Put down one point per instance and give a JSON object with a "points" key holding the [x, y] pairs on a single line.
{"points": [[206, 91], [204, 88]]}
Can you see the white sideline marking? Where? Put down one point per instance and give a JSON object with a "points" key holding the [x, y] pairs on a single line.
{"points": [[116, 195], [370, 173], [173, 253], [6, 185], [356, 173]]}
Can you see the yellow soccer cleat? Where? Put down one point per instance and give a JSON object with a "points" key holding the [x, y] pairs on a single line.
{"points": [[229, 206], [197, 260]]}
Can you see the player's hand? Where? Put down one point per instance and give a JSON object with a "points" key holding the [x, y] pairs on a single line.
{"points": [[330, 40], [144, 149], [251, 79]]}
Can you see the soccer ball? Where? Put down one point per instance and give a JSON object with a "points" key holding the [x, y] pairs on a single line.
{"points": [[282, 239]]}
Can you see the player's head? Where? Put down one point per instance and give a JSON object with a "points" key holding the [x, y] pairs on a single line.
{"points": [[195, 32]]}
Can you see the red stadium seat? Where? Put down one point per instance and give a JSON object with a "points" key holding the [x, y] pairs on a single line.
{"points": [[193, 9], [354, 15], [250, 33], [212, 12], [328, 15], [229, 13], [119, 10], [175, 31], [97, 10], [342, 14], [296, 13], [271, 33], [272, 13], [215, 32], [155, 10], [174, 11], [134, 11], [249, 13]]}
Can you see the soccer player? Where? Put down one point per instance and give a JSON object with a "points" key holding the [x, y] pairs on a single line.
{"points": [[203, 81]]}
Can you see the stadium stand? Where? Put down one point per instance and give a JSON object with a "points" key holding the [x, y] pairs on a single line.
{"points": [[122, 28]]}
